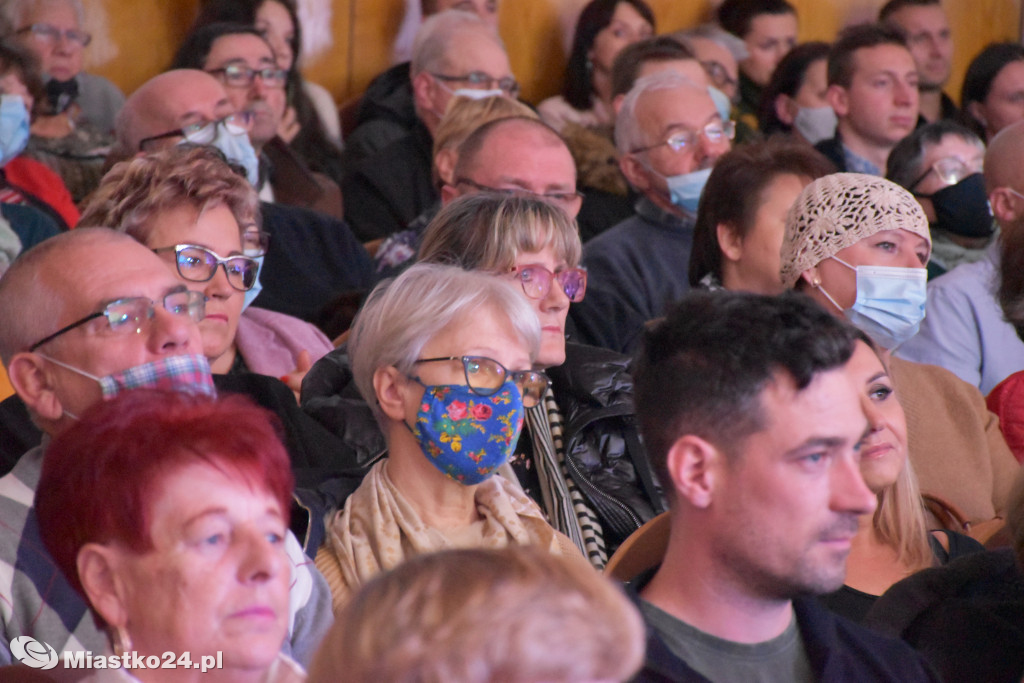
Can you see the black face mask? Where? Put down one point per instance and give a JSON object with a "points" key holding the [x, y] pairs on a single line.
{"points": [[60, 94], [962, 209]]}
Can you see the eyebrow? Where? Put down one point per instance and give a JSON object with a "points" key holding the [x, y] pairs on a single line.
{"points": [[224, 512], [878, 376]]}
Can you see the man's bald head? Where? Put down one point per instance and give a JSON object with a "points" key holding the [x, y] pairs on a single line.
{"points": [[34, 290], [1004, 175], [165, 102], [519, 155]]}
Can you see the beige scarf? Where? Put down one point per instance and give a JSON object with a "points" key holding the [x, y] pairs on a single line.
{"points": [[378, 529]]}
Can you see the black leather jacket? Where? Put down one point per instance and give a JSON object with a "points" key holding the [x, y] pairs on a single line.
{"points": [[593, 389]]}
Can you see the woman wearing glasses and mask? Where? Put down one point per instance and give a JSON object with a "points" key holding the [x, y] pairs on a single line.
{"points": [[579, 456], [445, 360], [195, 212]]}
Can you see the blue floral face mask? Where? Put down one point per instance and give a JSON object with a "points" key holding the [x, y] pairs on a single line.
{"points": [[467, 436], [890, 302]]}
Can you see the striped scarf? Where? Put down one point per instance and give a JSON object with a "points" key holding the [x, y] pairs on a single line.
{"points": [[565, 506]]}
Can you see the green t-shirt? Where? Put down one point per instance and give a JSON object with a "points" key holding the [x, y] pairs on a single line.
{"points": [[782, 658]]}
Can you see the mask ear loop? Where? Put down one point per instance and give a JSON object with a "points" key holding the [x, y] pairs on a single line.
{"points": [[816, 283]]}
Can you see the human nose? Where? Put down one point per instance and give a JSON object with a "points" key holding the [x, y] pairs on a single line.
{"points": [[218, 286], [905, 93], [172, 333], [556, 298], [849, 492], [260, 558]]}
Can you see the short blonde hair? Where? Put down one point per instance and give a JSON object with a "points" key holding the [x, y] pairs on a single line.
{"points": [[136, 190], [487, 231], [401, 315], [516, 615], [465, 114]]}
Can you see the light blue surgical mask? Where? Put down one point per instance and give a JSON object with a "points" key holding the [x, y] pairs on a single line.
{"points": [[722, 103], [14, 127], [237, 148], [251, 294], [478, 94], [815, 123], [685, 189], [890, 302]]}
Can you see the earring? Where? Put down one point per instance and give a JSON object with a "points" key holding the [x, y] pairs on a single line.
{"points": [[122, 641], [816, 282]]}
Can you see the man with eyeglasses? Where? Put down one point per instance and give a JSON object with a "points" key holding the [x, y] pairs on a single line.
{"points": [[454, 52], [312, 258], [87, 315], [52, 31], [965, 330], [669, 134]]}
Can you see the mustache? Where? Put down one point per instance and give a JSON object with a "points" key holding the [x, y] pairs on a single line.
{"points": [[844, 526]]}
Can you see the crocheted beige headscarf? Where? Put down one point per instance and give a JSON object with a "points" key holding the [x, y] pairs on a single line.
{"points": [[839, 210]]}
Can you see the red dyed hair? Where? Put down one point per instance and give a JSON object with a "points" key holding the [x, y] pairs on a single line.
{"points": [[101, 476]]}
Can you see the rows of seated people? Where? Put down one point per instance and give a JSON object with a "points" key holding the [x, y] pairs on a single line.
{"points": [[732, 320]]}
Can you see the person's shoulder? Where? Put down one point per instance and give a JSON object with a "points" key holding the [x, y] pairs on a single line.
{"points": [[923, 375], [614, 237], [842, 650]]}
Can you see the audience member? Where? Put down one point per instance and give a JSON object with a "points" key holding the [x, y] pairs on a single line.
{"points": [[669, 135], [451, 417], [930, 41], [872, 86], [795, 101], [893, 542], [719, 52], [177, 541], [592, 479], [940, 164], [965, 331], [858, 245], [24, 180], [75, 115], [748, 408], [965, 617], [312, 257], [464, 115], [243, 61], [648, 57], [516, 614], [386, 110], [52, 31], [310, 125], [200, 216], [768, 27], [993, 88], [603, 29], [74, 335], [455, 53], [738, 235]]}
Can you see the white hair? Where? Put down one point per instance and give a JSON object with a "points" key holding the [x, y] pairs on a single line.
{"points": [[438, 34], [401, 315], [736, 46], [628, 133], [14, 11]]}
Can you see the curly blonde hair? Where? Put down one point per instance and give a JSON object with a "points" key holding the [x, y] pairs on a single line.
{"points": [[136, 190]]}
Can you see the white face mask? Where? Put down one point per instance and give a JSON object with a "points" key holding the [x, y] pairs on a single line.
{"points": [[815, 123]]}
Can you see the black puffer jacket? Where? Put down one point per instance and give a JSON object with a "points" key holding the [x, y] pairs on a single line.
{"points": [[594, 391]]}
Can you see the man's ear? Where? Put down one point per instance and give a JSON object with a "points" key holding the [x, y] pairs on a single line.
{"points": [[729, 242], [444, 162], [839, 99], [635, 172], [390, 385], [33, 382], [103, 586], [1004, 205], [692, 465], [423, 91]]}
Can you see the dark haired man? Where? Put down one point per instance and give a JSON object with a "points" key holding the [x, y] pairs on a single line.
{"points": [[753, 423], [872, 86], [926, 27]]}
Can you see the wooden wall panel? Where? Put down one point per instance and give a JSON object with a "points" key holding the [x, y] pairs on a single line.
{"points": [[145, 33]]}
